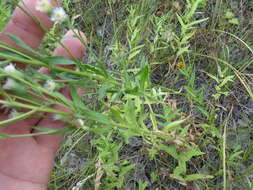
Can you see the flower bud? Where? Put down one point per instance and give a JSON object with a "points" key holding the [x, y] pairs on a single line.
{"points": [[10, 68], [13, 114], [44, 6], [50, 85], [10, 84], [58, 15]]}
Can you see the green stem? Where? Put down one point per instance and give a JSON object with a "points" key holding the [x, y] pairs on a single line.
{"points": [[48, 110], [224, 159], [41, 64], [19, 117]]}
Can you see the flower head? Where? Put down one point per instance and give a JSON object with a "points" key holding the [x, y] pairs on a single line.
{"points": [[57, 117], [13, 113], [44, 6], [79, 123], [181, 65], [50, 85], [5, 108], [10, 68], [58, 15], [10, 84]]}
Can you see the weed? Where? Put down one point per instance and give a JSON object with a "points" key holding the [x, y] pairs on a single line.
{"points": [[183, 121]]}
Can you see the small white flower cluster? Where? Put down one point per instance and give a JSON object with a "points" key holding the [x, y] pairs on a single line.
{"points": [[10, 68], [79, 123], [5, 108], [57, 117], [50, 85], [13, 113], [57, 15], [44, 6], [10, 83]]}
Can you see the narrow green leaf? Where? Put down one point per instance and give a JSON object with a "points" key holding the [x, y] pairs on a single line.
{"points": [[197, 22], [213, 77], [117, 115], [130, 112], [76, 98], [193, 9], [19, 42], [134, 54], [95, 116], [183, 50], [17, 118], [180, 20], [62, 98], [102, 92], [144, 77], [45, 132], [226, 80], [171, 150], [172, 125], [234, 21], [10, 53], [184, 131], [187, 155], [58, 60], [51, 131], [97, 70]]}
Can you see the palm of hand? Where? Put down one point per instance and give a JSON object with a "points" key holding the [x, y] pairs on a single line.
{"points": [[25, 159]]}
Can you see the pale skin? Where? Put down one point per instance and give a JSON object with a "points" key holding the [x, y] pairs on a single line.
{"points": [[26, 163]]}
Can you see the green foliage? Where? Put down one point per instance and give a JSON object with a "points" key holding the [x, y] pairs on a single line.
{"points": [[108, 156], [5, 12], [231, 18], [179, 172], [187, 24], [222, 81], [179, 120]]}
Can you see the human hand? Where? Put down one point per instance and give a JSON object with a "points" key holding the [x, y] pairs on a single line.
{"points": [[26, 163]]}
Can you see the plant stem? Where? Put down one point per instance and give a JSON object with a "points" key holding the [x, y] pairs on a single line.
{"points": [[49, 110], [41, 64]]}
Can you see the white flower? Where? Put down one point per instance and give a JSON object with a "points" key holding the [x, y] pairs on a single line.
{"points": [[10, 68], [10, 84], [13, 114], [5, 108], [50, 85], [57, 117], [79, 123], [58, 15], [44, 6]]}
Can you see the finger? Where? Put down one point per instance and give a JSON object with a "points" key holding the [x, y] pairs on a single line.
{"points": [[23, 26], [77, 49], [17, 128], [73, 48], [74, 40]]}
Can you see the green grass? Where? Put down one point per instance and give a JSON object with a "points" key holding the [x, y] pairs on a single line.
{"points": [[168, 89], [5, 11]]}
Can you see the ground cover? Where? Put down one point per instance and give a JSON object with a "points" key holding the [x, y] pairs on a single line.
{"points": [[168, 100]]}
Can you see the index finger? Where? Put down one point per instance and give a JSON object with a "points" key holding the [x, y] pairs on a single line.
{"points": [[24, 26]]}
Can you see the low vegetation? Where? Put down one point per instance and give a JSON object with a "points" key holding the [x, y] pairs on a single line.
{"points": [[167, 100]]}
